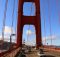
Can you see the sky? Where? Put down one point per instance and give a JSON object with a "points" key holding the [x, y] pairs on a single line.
{"points": [[49, 9]]}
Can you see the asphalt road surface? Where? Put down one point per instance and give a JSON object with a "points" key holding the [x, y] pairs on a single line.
{"points": [[35, 53]]}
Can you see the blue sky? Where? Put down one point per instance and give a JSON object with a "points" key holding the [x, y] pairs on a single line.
{"points": [[50, 9]]}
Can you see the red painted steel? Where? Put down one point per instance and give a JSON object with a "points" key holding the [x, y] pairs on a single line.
{"points": [[34, 20]]}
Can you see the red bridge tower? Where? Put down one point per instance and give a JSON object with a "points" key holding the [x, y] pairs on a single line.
{"points": [[34, 20]]}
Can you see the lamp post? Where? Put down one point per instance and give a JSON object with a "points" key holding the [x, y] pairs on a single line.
{"points": [[11, 39]]}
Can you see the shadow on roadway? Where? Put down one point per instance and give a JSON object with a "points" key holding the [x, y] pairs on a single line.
{"points": [[47, 56]]}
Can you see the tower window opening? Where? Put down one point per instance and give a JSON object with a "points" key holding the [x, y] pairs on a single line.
{"points": [[29, 9]]}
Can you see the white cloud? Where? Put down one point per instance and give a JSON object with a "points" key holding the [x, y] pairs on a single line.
{"points": [[30, 43], [7, 32], [53, 37]]}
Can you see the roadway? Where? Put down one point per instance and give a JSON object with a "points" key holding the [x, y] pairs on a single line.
{"points": [[35, 53]]}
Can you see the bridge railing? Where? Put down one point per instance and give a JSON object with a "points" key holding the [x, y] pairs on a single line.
{"points": [[52, 48], [10, 53]]}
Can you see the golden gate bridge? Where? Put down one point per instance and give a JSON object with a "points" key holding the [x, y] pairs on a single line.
{"points": [[9, 49]]}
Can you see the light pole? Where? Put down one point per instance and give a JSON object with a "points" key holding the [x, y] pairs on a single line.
{"points": [[11, 39]]}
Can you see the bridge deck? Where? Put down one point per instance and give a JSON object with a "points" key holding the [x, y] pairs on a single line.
{"points": [[34, 53], [54, 53]]}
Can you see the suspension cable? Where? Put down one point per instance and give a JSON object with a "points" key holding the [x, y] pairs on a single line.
{"points": [[12, 21], [4, 19], [44, 26], [0, 6], [16, 22], [13, 17], [58, 12], [29, 24], [45, 30], [28, 32], [0, 3], [49, 21]]}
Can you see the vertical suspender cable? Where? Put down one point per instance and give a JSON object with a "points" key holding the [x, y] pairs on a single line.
{"points": [[29, 24], [49, 20], [44, 26], [0, 3], [45, 30], [58, 12], [0, 6], [12, 17], [28, 33], [4, 19], [12, 20], [16, 22]]}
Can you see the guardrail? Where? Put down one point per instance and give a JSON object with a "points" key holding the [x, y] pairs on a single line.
{"points": [[52, 48], [11, 53]]}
